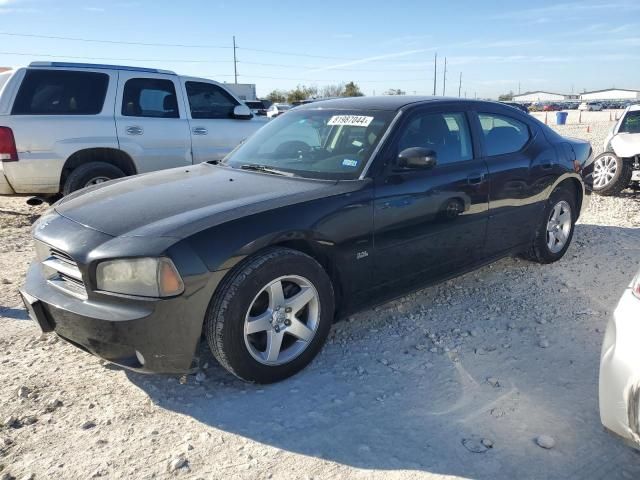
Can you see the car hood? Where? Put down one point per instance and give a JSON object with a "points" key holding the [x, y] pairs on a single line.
{"points": [[626, 144], [182, 201]]}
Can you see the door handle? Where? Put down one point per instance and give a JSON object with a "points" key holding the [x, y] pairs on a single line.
{"points": [[547, 165], [475, 178], [134, 130], [199, 131]]}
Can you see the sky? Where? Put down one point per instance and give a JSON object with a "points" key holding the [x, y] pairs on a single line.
{"points": [[497, 46]]}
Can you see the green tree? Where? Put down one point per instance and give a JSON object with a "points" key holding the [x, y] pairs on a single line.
{"points": [[506, 97], [277, 96], [351, 89], [332, 91], [301, 92]]}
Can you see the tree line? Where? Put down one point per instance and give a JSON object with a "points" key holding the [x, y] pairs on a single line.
{"points": [[303, 92]]}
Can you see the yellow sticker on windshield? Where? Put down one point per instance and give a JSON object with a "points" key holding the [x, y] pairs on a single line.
{"points": [[350, 120]]}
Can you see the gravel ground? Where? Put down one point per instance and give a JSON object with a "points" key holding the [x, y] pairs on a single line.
{"points": [[467, 379]]}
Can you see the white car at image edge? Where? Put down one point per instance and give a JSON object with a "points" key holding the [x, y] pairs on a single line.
{"points": [[619, 389]]}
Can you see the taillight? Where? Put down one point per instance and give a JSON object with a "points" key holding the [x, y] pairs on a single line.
{"points": [[8, 150], [635, 286]]}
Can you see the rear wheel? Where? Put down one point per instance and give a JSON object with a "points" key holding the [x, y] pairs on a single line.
{"points": [[89, 174], [271, 316], [555, 232], [611, 174]]}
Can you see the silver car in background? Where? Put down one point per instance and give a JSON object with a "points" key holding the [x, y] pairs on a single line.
{"points": [[620, 368]]}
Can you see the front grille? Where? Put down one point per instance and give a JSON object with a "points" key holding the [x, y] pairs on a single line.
{"points": [[63, 273]]}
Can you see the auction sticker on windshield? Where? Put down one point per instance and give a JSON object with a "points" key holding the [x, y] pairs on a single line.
{"points": [[350, 120]]}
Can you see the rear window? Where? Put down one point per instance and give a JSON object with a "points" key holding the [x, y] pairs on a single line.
{"points": [[59, 92]]}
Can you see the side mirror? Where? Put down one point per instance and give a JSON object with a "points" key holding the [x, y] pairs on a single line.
{"points": [[417, 158], [242, 112]]}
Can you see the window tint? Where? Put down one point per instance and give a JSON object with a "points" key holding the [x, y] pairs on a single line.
{"points": [[59, 92], [503, 134], [445, 133], [149, 97], [209, 101]]}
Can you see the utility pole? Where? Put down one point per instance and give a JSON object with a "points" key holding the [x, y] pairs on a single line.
{"points": [[518, 88], [460, 85], [435, 72], [444, 77], [235, 62]]}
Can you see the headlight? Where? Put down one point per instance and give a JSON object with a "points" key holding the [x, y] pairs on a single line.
{"points": [[145, 277]]}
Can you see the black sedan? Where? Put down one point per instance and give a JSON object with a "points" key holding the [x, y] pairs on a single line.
{"points": [[332, 208]]}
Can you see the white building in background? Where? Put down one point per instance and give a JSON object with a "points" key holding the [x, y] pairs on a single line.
{"points": [[611, 94], [244, 91], [542, 97]]}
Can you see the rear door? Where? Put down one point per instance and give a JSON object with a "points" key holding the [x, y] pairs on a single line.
{"points": [[521, 165], [214, 129], [151, 120]]}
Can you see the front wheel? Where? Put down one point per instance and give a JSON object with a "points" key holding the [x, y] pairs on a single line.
{"points": [[555, 232], [270, 316]]}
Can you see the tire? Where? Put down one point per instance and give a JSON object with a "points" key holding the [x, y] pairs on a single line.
{"points": [[90, 174], [611, 174], [244, 293], [560, 200]]}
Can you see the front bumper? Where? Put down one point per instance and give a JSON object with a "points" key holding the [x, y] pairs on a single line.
{"points": [[146, 335], [619, 389], [5, 186]]}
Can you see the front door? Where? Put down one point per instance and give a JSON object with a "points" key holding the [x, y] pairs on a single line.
{"points": [[430, 222], [215, 131], [151, 121]]}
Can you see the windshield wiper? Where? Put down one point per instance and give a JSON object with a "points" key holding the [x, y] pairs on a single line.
{"points": [[264, 168]]}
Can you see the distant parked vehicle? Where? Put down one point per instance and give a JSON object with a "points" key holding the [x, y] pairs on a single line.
{"points": [[618, 166], [619, 384], [257, 107], [65, 126], [551, 107], [590, 107], [277, 109]]}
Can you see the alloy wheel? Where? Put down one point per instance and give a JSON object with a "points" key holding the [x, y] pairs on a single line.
{"points": [[559, 226], [282, 320], [604, 169]]}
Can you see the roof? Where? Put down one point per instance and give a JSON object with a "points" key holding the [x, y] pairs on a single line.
{"points": [[611, 90], [385, 102], [539, 91], [98, 66]]}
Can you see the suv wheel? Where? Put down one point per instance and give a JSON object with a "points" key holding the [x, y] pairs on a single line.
{"points": [[611, 174], [89, 174], [555, 232], [271, 315]]}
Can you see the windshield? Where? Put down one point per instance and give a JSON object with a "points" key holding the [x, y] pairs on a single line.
{"points": [[631, 122], [326, 144]]}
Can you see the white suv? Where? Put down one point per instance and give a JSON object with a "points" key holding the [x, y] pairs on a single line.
{"points": [[64, 126]]}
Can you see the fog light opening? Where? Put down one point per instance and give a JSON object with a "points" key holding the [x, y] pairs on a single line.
{"points": [[140, 358]]}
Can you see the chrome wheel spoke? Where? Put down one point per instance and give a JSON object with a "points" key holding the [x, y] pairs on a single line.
{"points": [[276, 295], [260, 323], [559, 226], [274, 342], [300, 330], [301, 299]]}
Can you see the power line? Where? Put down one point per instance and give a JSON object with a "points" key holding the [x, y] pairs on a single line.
{"points": [[120, 42], [23, 54]]}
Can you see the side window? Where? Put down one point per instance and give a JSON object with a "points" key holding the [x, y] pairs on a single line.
{"points": [[149, 97], [445, 133], [60, 92], [209, 101], [503, 134]]}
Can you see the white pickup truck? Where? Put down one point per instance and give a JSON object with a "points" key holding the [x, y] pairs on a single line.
{"points": [[65, 126]]}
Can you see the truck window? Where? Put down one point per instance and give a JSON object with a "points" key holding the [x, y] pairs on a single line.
{"points": [[61, 92], [209, 101], [149, 97]]}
